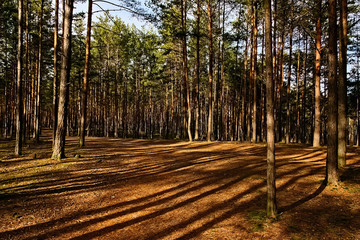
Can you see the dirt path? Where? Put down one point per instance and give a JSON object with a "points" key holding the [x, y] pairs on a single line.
{"points": [[140, 189]]}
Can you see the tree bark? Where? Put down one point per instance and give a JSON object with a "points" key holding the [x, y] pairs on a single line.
{"points": [[39, 80], [86, 78], [317, 93], [19, 102], [223, 133], [56, 78], [244, 104], [332, 161], [262, 94], [27, 79], [287, 136], [342, 85], [271, 187], [211, 56], [254, 75], [250, 90], [59, 143], [280, 80], [297, 128], [303, 97], [185, 67], [197, 102]]}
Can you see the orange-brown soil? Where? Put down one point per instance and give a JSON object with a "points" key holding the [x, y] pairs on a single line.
{"points": [[142, 189]]}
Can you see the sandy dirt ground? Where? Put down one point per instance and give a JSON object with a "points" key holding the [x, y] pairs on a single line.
{"points": [[158, 189]]}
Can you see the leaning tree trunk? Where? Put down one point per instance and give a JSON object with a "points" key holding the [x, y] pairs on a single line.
{"points": [[331, 163], [19, 102], [271, 187], [342, 85], [59, 143], [86, 79]]}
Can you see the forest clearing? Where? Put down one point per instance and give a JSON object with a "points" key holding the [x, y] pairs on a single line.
{"points": [[212, 119], [162, 189]]}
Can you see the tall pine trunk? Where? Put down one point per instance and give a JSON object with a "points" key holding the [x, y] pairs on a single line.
{"points": [[39, 80], [244, 102], [298, 94], [185, 67], [332, 163], [303, 97], [27, 79], [254, 76], [317, 93], [56, 78], [86, 79], [211, 57], [271, 209], [197, 104], [59, 143], [19, 101], [342, 84], [287, 134]]}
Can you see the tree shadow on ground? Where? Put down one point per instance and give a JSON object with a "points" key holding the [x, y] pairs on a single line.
{"points": [[351, 175], [304, 200], [186, 192]]}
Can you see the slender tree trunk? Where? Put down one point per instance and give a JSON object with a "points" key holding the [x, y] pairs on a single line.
{"points": [[271, 187], [211, 56], [280, 79], [254, 75], [298, 95], [262, 94], [185, 66], [332, 161], [357, 115], [59, 143], [357, 104], [222, 125], [250, 90], [107, 93], [244, 97], [303, 96], [116, 98], [342, 84], [275, 62], [317, 93], [86, 78], [197, 104], [39, 80], [19, 102], [27, 78], [287, 136], [56, 78]]}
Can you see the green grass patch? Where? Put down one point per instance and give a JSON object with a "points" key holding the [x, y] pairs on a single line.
{"points": [[257, 219], [32, 174]]}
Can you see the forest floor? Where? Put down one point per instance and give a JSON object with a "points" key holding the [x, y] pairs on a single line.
{"points": [[159, 189]]}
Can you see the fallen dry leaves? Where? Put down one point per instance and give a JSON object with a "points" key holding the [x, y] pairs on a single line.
{"points": [[142, 189]]}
